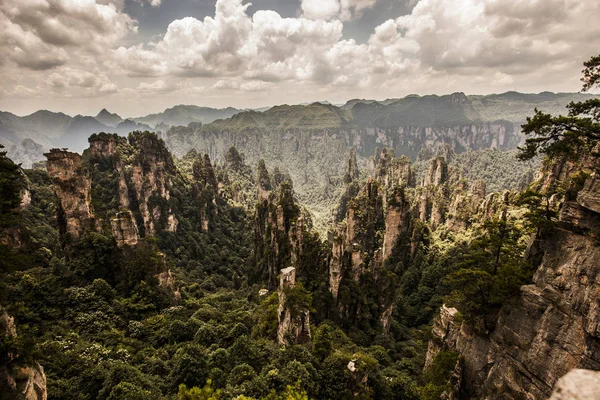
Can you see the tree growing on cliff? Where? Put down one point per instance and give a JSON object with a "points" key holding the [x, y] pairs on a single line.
{"points": [[10, 183], [566, 135]]}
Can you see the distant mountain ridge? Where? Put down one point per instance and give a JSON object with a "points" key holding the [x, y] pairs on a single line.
{"points": [[54, 129], [45, 129], [185, 114], [108, 118], [310, 142]]}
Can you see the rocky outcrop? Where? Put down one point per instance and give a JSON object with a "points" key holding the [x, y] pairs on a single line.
{"points": [[205, 189], [72, 186], [151, 179], [465, 205], [377, 218], [578, 384], [137, 172], [167, 281], [27, 382], [397, 221], [352, 172], [551, 327], [434, 193], [279, 230], [294, 320], [124, 229], [336, 264]]}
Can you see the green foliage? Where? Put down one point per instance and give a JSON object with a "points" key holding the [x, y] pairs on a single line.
{"points": [[570, 135], [489, 271], [195, 393], [11, 182], [298, 300], [437, 375]]}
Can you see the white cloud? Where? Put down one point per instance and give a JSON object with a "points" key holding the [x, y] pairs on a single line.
{"points": [[247, 86], [38, 34], [507, 35], [320, 9], [75, 82], [265, 47], [329, 9], [440, 46], [492, 40]]}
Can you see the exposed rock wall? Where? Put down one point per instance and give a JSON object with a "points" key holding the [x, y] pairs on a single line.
{"points": [[397, 221], [552, 327], [25, 382], [294, 324], [124, 229], [143, 172], [72, 186], [376, 218]]}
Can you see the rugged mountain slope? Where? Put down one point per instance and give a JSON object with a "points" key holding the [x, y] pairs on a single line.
{"points": [[551, 326], [48, 129], [310, 142]]}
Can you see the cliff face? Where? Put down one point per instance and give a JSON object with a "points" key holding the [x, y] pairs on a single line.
{"points": [[551, 327], [294, 321], [315, 157], [127, 179], [376, 217], [20, 382], [72, 186]]}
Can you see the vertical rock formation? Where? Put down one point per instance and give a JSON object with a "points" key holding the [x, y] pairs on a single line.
{"points": [[16, 381], [126, 179], [294, 320], [205, 188], [279, 229], [434, 193], [336, 264], [151, 180], [124, 229], [72, 186], [264, 182], [352, 172], [397, 220], [465, 204], [552, 326], [376, 218]]}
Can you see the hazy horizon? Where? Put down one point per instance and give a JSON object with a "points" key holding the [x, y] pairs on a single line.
{"points": [[113, 110]]}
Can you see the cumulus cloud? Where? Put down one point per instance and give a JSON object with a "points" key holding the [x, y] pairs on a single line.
{"points": [[328, 9], [479, 38], [74, 82], [439, 46], [262, 47], [36, 34], [509, 35]]}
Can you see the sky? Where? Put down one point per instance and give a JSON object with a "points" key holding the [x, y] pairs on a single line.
{"points": [[136, 57]]}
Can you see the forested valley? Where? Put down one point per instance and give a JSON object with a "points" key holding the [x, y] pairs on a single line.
{"points": [[129, 273]]}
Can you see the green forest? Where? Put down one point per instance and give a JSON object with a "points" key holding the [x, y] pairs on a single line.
{"points": [[134, 274]]}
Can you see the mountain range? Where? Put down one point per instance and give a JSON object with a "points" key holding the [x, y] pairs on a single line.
{"points": [[45, 129]]}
